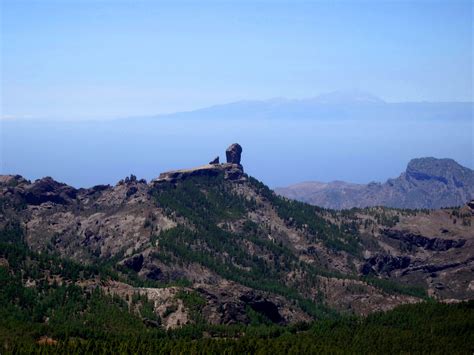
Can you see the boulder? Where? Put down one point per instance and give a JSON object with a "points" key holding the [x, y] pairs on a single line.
{"points": [[233, 153]]}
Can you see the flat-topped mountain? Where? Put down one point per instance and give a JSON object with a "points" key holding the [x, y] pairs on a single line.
{"points": [[426, 183]]}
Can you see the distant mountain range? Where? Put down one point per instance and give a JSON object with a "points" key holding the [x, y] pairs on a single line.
{"points": [[353, 104], [426, 183]]}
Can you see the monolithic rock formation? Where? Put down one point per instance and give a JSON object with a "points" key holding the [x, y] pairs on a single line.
{"points": [[233, 153]]}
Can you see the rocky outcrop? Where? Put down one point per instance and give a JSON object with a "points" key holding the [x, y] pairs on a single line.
{"points": [[433, 244], [49, 190], [431, 268], [232, 170], [384, 263], [95, 189], [12, 180], [233, 153], [229, 303]]}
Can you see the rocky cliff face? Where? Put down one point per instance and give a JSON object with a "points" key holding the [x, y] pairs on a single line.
{"points": [[426, 183], [221, 235]]}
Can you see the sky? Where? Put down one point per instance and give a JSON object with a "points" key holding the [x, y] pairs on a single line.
{"points": [[107, 59]]}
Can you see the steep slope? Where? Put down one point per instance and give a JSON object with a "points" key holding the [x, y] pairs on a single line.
{"points": [[214, 245], [426, 183]]}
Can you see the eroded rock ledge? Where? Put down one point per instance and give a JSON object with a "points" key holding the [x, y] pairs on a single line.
{"points": [[232, 170]]}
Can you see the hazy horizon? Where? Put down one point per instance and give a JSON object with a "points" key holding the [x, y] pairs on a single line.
{"points": [[98, 59], [278, 152]]}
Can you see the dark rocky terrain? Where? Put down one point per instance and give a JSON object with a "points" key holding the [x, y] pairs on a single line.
{"points": [[427, 183], [217, 234]]}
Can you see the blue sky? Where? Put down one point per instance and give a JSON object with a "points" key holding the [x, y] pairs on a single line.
{"points": [[98, 59]]}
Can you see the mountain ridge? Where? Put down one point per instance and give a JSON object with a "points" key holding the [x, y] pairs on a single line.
{"points": [[343, 104], [229, 242], [426, 183]]}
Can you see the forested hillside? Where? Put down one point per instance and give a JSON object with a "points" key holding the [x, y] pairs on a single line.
{"points": [[215, 256], [51, 318]]}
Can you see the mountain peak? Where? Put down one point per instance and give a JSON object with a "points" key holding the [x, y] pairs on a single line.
{"points": [[429, 167], [348, 97]]}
